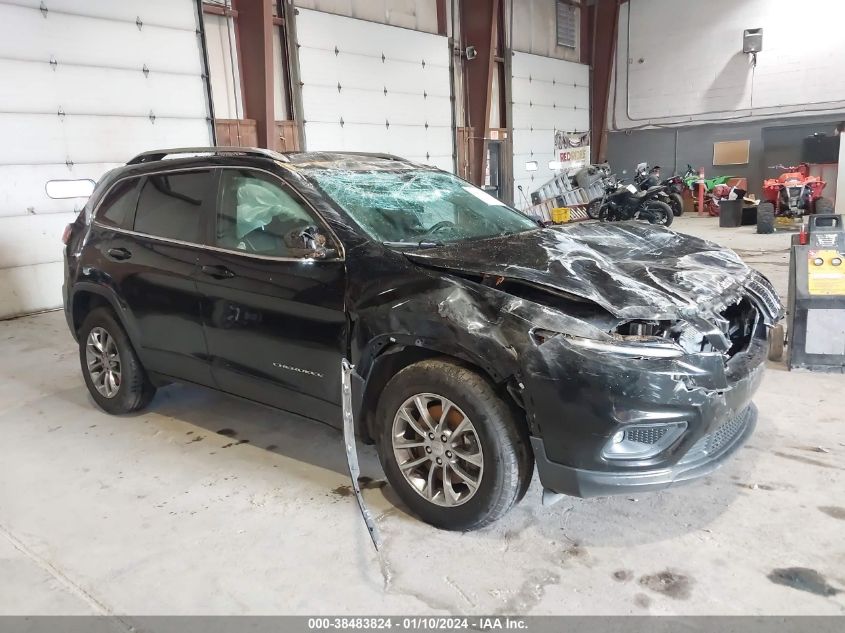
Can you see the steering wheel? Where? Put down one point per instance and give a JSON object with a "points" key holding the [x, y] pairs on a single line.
{"points": [[440, 225]]}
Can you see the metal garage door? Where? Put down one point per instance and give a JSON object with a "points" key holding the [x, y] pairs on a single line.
{"points": [[377, 88], [86, 85], [548, 94]]}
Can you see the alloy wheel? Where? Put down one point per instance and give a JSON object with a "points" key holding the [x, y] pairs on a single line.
{"points": [[437, 449], [103, 360]]}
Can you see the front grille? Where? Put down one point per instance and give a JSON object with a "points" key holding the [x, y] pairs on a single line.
{"points": [[646, 435], [714, 442], [765, 295]]}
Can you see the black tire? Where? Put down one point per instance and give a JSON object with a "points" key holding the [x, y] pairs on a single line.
{"points": [[135, 390], [593, 209], [777, 341], [824, 206], [766, 218], [508, 463], [657, 212], [676, 201]]}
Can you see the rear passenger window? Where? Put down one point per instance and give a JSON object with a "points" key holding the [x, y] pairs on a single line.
{"points": [[118, 207], [170, 205]]}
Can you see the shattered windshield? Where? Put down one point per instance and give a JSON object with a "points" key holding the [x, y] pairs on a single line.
{"points": [[418, 205]]}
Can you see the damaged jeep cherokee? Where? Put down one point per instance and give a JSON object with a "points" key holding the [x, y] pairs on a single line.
{"points": [[617, 357]]}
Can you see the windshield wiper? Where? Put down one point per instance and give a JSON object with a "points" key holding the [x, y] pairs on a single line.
{"points": [[420, 244]]}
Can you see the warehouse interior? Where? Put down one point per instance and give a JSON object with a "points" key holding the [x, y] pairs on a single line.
{"points": [[207, 504]]}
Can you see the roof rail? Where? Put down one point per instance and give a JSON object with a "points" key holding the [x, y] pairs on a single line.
{"points": [[159, 154]]}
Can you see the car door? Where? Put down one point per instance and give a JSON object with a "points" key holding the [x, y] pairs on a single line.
{"points": [[273, 282], [153, 268]]}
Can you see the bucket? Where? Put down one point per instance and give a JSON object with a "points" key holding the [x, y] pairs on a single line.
{"points": [[560, 215]]}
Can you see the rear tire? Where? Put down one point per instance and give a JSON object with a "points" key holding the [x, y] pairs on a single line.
{"points": [[766, 218], [479, 424], [657, 212], [676, 201], [593, 209], [824, 206], [113, 374]]}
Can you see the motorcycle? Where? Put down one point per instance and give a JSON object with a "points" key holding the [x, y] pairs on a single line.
{"points": [[587, 177], [674, 186], [626, 202]]}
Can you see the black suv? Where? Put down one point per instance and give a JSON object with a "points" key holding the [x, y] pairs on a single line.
{"points": [[617, 357]]}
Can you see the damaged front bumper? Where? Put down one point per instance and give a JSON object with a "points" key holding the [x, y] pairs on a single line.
{"points": [[698, 406]]}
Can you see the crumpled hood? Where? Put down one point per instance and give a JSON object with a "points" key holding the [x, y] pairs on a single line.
{"points": [[632, 269]]}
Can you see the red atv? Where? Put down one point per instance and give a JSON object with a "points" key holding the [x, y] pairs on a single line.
{"points": [[791, 195]]}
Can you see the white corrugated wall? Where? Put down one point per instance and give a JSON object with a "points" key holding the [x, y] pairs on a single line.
{"points": [[86, 85]]}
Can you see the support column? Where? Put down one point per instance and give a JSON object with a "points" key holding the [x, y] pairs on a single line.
{"points": [[605, 21], [479, 22], [255, 25]]}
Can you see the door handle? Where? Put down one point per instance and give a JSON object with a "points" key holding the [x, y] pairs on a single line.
{"points": [[218, 272], [119, 253]]}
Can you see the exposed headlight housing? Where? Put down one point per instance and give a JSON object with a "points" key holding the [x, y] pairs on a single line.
{"points": [[646, 347]]}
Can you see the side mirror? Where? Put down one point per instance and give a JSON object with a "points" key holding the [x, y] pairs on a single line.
{"points": [[312, 242]]}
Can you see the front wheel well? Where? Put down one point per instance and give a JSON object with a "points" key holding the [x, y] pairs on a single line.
{"points": [[390, 363]]}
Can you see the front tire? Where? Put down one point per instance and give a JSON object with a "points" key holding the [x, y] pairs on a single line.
{"points": [[113, 374], [451, 447], [593, 209]]}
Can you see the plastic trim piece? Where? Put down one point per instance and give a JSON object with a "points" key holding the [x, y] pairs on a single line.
{"points": [[352, 451]]}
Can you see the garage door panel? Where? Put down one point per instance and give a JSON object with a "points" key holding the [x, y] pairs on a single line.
{"points": [[90, 110], [323, 104], [32, 239], [367, 60], [39, 139], [27, 289], [549, 94], [326, 31], [23, 191], [180, 15], [35, 87], [79, 40]]}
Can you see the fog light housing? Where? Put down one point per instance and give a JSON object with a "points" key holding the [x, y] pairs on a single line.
{"points": [[643, 441]]}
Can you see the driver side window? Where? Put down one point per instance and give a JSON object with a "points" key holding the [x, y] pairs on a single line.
{"points": [[257, 215]]}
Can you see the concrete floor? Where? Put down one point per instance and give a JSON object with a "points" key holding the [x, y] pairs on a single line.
{"points": [[161, 514]]}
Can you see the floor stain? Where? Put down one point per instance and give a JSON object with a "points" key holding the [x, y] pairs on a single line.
{"points": [[837, 512], [196, 438], [575, 553], [803, 579], [623, 575], [671, 584], [235, 443], [227, 432], [642, 601], [271, 447], [805, 460], [365, 483], [530, 592]]}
